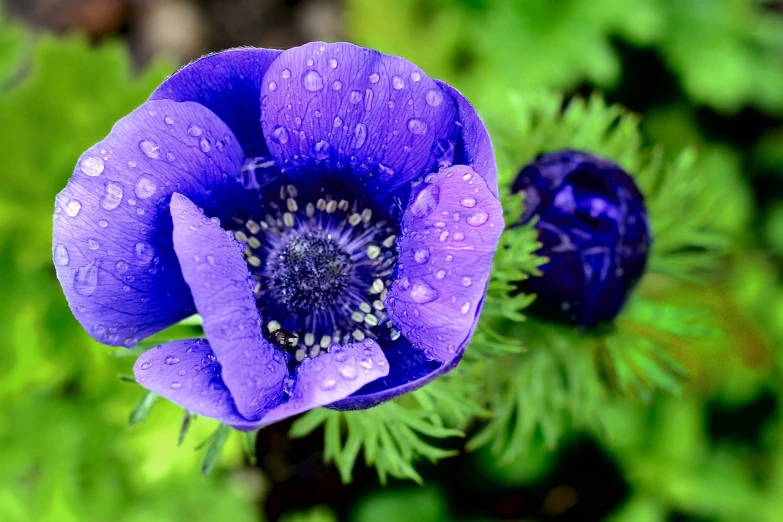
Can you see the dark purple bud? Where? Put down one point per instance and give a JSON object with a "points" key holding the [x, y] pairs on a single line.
{"points": [[592, 224]]}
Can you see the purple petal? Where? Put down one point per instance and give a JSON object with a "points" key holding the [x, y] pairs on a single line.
{"points": [[474, 148], [188, 374], [213, 265], [330, 377], [112, 229], [450, 231], [335, 106], [227, 83]]}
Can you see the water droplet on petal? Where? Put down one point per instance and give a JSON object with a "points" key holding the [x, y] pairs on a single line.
{"points": [[374, 78], [171, 360], [434, 97], [415, 76], [143, 252], [417, 126], [145, 187], [321, 150], [355, 97], [286, 73], [397, 83], [337, 121], [468, 202], [421, 292], [349, 373], [169, 120], [85, 279], [92, 166], [113, 196], [328, 384], [121, 266], [478, 218], [466, 281], [280, 135], [312, 81], [194, 130], [146, 365], [359, 135], [204, 145], [465, 307], [337, 85], [73, 207], [272, 86], [151, 149], [422, 255], [425, 201], [94, 245], [440, 274], [333, 63], [61, 256], [176, 385]]}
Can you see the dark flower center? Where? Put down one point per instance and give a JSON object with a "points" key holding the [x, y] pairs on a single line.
{"points": [[323, 259], [309, 272]]}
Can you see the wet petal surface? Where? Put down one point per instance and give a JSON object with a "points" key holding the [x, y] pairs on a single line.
{"points": [[253, 370], [227, 83], [342, 107], [112, 228]]}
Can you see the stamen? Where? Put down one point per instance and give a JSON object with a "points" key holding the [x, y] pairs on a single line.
{"points": [[252, 226]]}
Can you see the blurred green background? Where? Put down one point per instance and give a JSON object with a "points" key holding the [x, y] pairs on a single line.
{"points": [[701, 73]]}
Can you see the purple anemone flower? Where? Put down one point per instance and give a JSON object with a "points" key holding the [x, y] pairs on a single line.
{"points": [[592, 225], [331, 213]]}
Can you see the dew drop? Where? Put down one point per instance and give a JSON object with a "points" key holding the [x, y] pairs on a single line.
{"points": [[359, 135], [467, 177], [272, 86], [478, 218], [422, 255], [176, 385], [355, 97], [415, 76], [280, 135], [333, 63], [321, 150], [92, 166], [374, 78], [434, 97], [171, 360], [468, 202], [146, 365], [151, 149], [94, 245], [286, 73], [194, 130], [204, 145], [440, 274], [61, 256], [85, 279], [397, 83], [143, 252], [113, 196], [337, 121], [312, 81], [421, 292], [349, 373], [73, 207], [328, 384], [465, 307], [425, 201], [417, 126], [103, 223], [121, 266], [466, 281], [145, 187], [337, 85], [169, 120]]}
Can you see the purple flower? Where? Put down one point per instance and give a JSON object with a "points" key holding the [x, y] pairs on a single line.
{"points": [[592, 225], [331, 213]]}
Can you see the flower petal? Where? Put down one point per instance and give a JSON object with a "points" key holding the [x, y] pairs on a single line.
{"points": [[188, 374], [222, 288], [331, 377], [228, 83], [112, 230], [342, 107], [409, 369], [474, 148], [450, 231]]}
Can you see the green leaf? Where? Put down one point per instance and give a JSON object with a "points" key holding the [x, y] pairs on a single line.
{"points": [[215, 448], [142, 410]]}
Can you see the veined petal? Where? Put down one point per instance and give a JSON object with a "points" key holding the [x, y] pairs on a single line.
{"points": [[228, 83], [449, 234], [474, 148], [252, 369], [328, 378], [112, 228], [187, 373], [340, 107]]}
